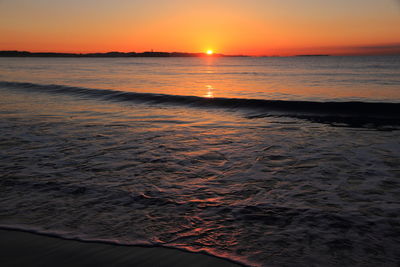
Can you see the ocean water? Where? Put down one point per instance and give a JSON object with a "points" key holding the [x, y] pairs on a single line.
{"points": [[264, 161]]}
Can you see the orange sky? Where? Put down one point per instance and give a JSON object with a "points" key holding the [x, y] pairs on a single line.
{"points": [[253, 27]]}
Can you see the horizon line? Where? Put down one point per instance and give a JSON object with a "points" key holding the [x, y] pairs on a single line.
{"points": [[151, 53]]}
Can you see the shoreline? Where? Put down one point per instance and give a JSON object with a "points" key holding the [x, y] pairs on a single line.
{"points": [[23, 248], [16, 53]]}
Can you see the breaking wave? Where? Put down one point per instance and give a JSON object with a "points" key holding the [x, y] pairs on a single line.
{"points": [[353, 113]]}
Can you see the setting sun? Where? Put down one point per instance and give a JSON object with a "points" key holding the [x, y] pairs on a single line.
{"points": [[210, 52]]}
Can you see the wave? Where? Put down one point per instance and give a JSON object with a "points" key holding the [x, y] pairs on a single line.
{"points": [[354, 113]]}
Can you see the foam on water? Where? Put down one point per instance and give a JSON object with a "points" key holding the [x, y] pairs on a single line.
{"points": [[265, 191]]}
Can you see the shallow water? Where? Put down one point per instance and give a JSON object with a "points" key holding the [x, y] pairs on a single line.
{"points": [[260, 190]]}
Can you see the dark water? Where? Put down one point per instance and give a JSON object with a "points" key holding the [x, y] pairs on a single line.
{"points": [[272, 181]]}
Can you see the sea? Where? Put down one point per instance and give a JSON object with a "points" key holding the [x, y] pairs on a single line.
{"points": [[265, 161]]}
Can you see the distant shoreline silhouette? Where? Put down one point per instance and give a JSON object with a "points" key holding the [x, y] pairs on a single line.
{"points": [[15, 53], [312, 55], [115, 54]]}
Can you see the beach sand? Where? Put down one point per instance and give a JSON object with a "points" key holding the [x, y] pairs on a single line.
{"points": [[19, 248]]}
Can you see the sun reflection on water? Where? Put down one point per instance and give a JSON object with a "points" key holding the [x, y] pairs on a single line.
{"points": [[210, 91]]}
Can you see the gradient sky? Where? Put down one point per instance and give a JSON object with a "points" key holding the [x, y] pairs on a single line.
{"points": [[254, 27]]}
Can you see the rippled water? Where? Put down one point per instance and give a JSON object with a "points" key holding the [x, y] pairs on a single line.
{"points": [[266, 190], [302, 78]]}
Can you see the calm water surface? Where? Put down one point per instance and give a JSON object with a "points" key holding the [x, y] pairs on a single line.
{"points": [[302, 78]]}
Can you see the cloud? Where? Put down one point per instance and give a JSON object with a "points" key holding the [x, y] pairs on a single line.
{"points": [[383, 49], [380, 47]]}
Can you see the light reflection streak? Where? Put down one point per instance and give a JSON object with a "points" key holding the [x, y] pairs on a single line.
{"points": [[210, 91]]}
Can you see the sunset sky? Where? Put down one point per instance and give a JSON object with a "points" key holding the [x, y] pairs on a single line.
{"points": [[252, 27]]}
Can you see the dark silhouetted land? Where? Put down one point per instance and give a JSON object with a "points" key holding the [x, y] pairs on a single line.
{"points": [[15, 53], [313, 55]]}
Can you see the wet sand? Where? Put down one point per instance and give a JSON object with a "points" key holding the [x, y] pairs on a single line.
{"points": [[26, 249]]}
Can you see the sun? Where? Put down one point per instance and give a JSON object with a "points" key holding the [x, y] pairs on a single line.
{"points": [[210, 52]]}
